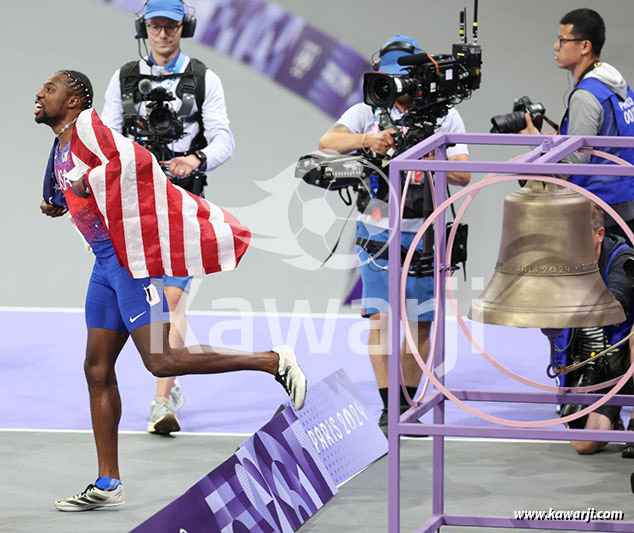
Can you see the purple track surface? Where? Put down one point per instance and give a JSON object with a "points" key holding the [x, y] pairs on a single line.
{"points": [[43, 386]]}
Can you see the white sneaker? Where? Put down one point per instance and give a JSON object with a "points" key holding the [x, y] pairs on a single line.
{"points": [[291, 376], [92, 498], [162, 418], [176, 399]]}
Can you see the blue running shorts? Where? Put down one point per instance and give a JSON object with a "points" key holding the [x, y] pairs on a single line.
{"points": [[183, 283], [117, 301], [419, 291]]}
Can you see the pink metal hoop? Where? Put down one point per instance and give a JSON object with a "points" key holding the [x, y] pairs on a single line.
{"points": [[429, 373]]}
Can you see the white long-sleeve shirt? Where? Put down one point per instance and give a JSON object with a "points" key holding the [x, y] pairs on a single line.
{"points": [[220, 141]]}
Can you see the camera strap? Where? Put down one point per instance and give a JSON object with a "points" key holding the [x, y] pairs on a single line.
{"points": [[422, 264], [188, 87], [129, 77], [551, 123], [336, 245]]}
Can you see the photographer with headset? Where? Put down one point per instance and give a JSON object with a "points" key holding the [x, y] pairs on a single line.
{"points": [[174, 106], [358, 129]]}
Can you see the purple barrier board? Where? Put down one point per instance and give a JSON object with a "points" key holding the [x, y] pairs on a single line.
{"points": [[273, 483], [339, 425], [280, 45]]}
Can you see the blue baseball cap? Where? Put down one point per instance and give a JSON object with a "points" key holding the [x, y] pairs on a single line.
{"points": [[171, 9], [389, 58]]}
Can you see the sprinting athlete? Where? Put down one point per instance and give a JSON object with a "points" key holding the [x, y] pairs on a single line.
{"points": [[94, 172]]}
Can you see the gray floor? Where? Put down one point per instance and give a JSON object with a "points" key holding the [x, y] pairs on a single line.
{"points": [[482, 478]]}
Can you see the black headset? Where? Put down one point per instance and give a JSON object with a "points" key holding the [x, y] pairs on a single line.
{"points": [[189, 24], [401, 46]]}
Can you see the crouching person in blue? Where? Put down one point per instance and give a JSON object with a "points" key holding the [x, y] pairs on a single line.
{"points": [[611, 251]]}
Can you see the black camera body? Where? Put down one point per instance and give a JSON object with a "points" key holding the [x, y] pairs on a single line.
{"points": [[516, 121], [431, 79], [434, 83], [161, 125], [594, 372], [159, 128]]}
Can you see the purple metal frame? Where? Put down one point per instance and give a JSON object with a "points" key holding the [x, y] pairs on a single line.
{"points": [[543, 159]]}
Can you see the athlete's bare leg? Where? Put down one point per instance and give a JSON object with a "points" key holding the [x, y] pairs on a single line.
{"points": [[177, 303], [161, 360], [102, 349]]}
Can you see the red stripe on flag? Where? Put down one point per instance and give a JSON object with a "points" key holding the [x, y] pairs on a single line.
{"points": [[177, 238], [208, 241], [147, 210], [229, 218], [117, 191], [114, 211], [78, 148], [241, 235]]}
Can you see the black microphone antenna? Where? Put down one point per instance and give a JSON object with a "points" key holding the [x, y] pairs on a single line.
{"points": [[475, 22]]}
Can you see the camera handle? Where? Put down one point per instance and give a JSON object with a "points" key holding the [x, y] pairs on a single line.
{"points": [[385, 120]]}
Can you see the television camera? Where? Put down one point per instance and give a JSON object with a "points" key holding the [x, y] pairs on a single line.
{"points": [[161, 125], [433, 84]]}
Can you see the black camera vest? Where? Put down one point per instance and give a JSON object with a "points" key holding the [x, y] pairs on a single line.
{"points": [[190, 89]]}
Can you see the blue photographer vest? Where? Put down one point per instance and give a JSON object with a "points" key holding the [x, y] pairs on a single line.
{"points": [[618, 119], [613, 333]]}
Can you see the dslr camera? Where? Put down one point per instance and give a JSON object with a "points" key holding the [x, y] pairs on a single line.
{"points": [[516, 120]]}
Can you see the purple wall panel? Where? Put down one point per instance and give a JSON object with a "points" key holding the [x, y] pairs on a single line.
{"points": [[284, 47]]}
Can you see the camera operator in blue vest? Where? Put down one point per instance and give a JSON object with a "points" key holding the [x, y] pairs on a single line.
{"points": [[174, 106], [579, 344], [358, 129], [601, 103]]}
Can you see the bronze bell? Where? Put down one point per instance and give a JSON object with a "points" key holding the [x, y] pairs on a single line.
{"points": [[546, 275]]}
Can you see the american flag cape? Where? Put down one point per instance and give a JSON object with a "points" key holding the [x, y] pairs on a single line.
{"points": [[155, 227]]}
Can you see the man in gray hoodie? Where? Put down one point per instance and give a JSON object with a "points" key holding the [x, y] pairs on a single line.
{"points": [[601, 103]]}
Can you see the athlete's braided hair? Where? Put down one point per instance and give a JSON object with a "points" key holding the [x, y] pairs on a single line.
{"points": [[80, 86]]}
